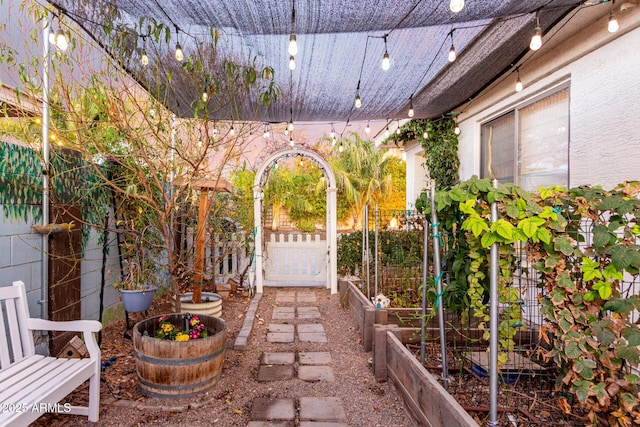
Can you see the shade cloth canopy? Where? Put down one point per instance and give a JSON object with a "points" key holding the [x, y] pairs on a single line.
{"points": [[341, 44]]}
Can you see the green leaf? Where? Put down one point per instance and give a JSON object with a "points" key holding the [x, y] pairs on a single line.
{"points": [[503, 228], [528, 226], [604, 289], [623, 305], [602, 236], [488, 239], [610, 272], [630, 354], [478, 226], [544, 235], [632, 335], [582, 366], [604, 334], [621, 257], [573, 351], [513, 211], [581, 389], [611, 202], [548, 212], [564, 245]]}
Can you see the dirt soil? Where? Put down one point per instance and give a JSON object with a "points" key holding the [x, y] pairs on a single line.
{"points": [[366, 402]]}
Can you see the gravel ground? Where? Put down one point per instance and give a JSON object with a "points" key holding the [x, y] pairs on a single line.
{"points": [[229, 402]]}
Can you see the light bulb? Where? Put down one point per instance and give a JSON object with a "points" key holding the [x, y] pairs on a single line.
{"points": [[452, 54], [144, 59], [333, 141], [286, 131], [293, 45], [456, 130], [301, 161], [333, 133], [425, 134], [536, 40], [291, 143], [61, 40], [205, 96], [367, 130], [387, 132], [52, 37], [232, 131], [411, 112], [290, 126], [215, 132], [613, 23], [267, 134], [398, 131], [358, 101], [179, 53], [341, 148], [386, 62], [456, 5], [292, 63], [518, 84]]}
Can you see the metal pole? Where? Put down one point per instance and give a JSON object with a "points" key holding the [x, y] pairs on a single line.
{"points": [[44, 272], [375, 259], [425, 275], [365, 228], [437, 271], [493, 323]]}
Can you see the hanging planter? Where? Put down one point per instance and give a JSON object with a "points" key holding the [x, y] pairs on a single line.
{"points": [[174, 366], [210, 304], [137, 299]]}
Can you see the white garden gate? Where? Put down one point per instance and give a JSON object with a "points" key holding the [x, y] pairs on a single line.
{"points": [[295, 259]]}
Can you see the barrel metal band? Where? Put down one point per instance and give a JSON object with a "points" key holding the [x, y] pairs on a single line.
{"points": [[177, 362], [178, 387]]}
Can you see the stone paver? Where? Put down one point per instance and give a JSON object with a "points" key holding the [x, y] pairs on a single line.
{"points": [[321, 424], [312, 337], [282, 297], [308, 313], [321, 409], [279, 327], [265, 409], [275, 424], [282, 313], [280, 337], [277, 358], [315, 373], [313, 327], [306, 296], [277, 372], [314, 358]]}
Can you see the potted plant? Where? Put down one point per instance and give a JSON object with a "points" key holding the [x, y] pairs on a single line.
{"points": [[179, 355], [136, 292]]}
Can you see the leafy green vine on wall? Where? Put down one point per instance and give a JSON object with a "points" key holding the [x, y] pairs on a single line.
{"points": [[72, 183], [440, 148], [584, 244]]}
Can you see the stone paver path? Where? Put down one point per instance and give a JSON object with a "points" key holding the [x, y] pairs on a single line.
{"points": [[288, 328]]}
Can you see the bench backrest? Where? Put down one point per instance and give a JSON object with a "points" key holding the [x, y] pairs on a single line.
{"points": [[16, 341]]}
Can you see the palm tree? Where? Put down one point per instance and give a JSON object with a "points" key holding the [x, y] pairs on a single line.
{"points": [[363, 174]]}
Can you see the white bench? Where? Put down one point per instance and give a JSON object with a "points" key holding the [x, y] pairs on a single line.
{"points": [[30, 384]]}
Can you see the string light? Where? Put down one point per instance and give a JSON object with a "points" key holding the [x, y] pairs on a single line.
{"points": [[341, 148], [232, 130], [293, 42], [398, 128], [292, 63], [179, 53], [519, 86], [613, 22], [367, 130], [387, 132], [333, 132], [411, 112], [386, 62], [333, 141], [144, 59], [290, 126], [205, 93], [286, 131], [425, 134], [358, 102], [456, 129], [59, 39], [452, 51], [536, 40], [291, 142], [456, 5]]}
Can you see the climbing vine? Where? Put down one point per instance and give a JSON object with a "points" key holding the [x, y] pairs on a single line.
{"points": [[583, 242], [440, 148]]}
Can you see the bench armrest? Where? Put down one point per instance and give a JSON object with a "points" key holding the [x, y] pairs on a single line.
{"points": [[71, 325], [87, 327]]}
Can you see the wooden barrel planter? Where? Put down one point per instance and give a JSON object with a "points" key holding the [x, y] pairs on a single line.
{"points": [[178, 369], [210, 305]]}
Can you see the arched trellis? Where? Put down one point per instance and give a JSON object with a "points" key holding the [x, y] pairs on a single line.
{"points": [[332, 218]]}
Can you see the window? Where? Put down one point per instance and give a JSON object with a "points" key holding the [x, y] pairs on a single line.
{"points": [[530, 144]]}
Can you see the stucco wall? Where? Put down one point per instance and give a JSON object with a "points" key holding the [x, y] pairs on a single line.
{"points": [[602, 70], [416, 174]]}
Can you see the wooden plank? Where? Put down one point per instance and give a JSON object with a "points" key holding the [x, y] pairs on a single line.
{"points": [[422, 394]]}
